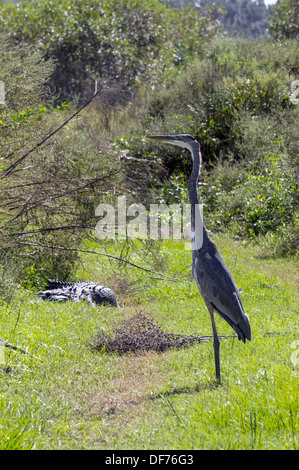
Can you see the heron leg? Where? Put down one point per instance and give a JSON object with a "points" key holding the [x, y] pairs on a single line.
{"points": [[216, 344]]}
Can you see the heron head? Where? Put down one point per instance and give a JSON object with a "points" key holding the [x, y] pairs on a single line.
{"points": [[181, 140]]}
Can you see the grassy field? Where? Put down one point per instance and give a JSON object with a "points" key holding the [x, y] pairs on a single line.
{"points": [[64, 395]]}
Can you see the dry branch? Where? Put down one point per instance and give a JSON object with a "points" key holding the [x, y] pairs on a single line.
{"points": [[12, 346], [116, 258], [10, 169]]}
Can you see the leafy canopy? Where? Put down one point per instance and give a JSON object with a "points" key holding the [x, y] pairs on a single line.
{"points": [[125, 42]]}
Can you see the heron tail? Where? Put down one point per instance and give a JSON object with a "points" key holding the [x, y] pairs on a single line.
{"points": [[243, 329]]}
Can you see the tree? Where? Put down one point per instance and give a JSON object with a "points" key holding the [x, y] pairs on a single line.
{"points": [[128, 42], [48, 192], [284, 21], [245, 17]]}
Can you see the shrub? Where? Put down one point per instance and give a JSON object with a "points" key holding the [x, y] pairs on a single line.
{"points": [[49, 198], [252, 203], [237, 102], [283, 22], [125, 42], [237, 81]]}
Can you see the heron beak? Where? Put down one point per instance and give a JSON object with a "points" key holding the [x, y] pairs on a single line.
{"points": [[163, 138]]}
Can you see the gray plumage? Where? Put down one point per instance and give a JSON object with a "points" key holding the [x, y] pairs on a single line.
{"points": [[92, 292], [217, 286], [214, 280]]}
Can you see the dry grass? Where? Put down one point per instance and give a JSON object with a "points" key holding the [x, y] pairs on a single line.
{"points": [[141, 333], [129, 391]]}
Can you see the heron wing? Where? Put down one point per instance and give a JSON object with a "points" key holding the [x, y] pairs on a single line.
{"points": [[217, 285]]}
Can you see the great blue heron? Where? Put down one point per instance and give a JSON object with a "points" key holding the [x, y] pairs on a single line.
{"points": [[92, 292], [214, 280]]}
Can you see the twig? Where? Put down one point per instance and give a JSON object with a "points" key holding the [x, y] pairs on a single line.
{"points": [[51, 197], [6, 344], [79, 188], [211, 337], [47, 229], [101, 254], [8, 170], [25, 185], [12, 346]]}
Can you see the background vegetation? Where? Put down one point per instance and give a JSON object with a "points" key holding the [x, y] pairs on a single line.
{"points": [[84, 83], [119, 42], [156, 67]]}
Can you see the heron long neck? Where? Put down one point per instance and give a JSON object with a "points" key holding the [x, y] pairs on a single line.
{"points": [[196, 157], [200, 233]]}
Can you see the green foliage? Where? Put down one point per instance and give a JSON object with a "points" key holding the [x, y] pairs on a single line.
{"points": [[252, 203], [16, 427], [244, 17], [49, 199], [64, 395], [238, 78], [124, 42], [283, 23], [237, 102]]}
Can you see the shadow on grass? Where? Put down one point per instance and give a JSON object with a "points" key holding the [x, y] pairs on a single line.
{"points": [[201, 387]]}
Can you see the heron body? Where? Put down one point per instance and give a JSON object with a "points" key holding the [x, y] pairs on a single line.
{"points": [[91, 292], [214, 280], [216, 284]]}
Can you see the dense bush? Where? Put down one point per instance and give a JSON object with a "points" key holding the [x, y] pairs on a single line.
{"points": [[125, 42], [283, 23], [244, 17], [238, 80], [237, 102], [49, 198], [252, 203]]}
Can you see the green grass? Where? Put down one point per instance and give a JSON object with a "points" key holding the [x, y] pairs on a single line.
{"points": [[62, 395]]}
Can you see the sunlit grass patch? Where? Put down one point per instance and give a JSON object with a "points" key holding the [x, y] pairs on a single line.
{"points": [[62, 394]]}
